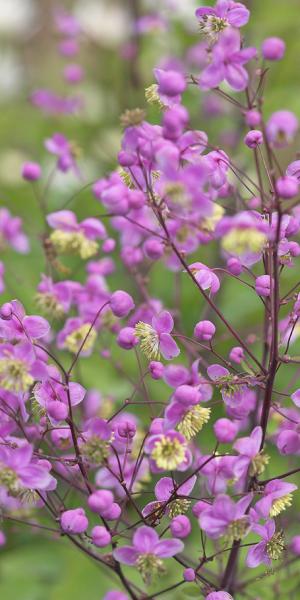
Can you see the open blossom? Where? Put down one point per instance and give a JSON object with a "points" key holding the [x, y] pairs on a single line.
{"points": [[277, 496], [224, 517], [16, 325], [213, 20], [168, 451], [65, 151], [250, 459], [20, 367], [164, 490], [19, 470], [156, 338], [147, 552], [227, 63], [270, 548], [205, 276], [71, 237]]}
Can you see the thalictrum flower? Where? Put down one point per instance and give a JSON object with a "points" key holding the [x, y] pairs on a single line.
{"points": [[270, 548], [156, 338]]}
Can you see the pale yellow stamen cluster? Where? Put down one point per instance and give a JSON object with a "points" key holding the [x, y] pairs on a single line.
{"points": [[14, 375], [281, 504], [211, 25], [275, 546], [9, 479], [179, 507], [258, 464], [74, 340], [149, 566], [152, 96], [133, 117], [73, 242], [209, 223], [49, 304], [95, 449], [240, 241], [193, 421], [149, 340], [168, 453], [237, 530]]}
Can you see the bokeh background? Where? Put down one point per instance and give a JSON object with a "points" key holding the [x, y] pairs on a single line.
{"points": [[32, 566]]}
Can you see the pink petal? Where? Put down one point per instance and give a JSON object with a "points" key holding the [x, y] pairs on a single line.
{"points": [[256, 555], [163, 323], [167, 548], [145, 539], [36, 327], [127, 555], [168, 346]]}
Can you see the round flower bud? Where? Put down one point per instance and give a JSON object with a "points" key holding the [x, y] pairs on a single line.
{"points": [[156, 426], [108, 245], [254, 202], [180, 526], [127, 429], [287, 187], [273, 48], [153, 248], [253, 138], [121, 303], [31, 171], [199, 507], [237, 354], [73, 73], [6, 311], [57, 410], [263, 285], [136, 199], [295, 545], [100, 501], [115, 595], [189, 574], [187, 395], [234, 266], [156, 369], [74, 521], [68, 47], [225, 430], [126, 159], [113, 512], [253, 118], [100, 536], [204, 330], [127, 338], [170, 83]]}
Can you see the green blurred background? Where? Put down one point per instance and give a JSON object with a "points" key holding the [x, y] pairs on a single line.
{"points": [[32, 565]]}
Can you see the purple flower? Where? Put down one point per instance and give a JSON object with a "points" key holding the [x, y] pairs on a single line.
{"points": [[224, 517], [168, 451], [228, 60], [213, 20], [219, 596], [147, 551], [270, 548], [54, 104], [251, 459], [205, 277], [277, 496], [20, 326], [63, 149], [164, 490], [19, 470], [74, 521], [20, 367], [71, 237], [156, 338], [281, 128]]}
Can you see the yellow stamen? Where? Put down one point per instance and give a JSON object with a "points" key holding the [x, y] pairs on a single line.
{"points": [[168, 453]]}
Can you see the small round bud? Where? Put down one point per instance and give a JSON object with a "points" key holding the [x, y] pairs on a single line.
{"points": [[237, 354], [108, 245], [57, 410], [127, 430], [234, 266], [73, 73], [31, 171], [189, 574], [287, 187], [273, 48], [263, 285], [6, 311], [153, 248], [295, 545], [180, 526], [127, 338], [74, 521], [204, 330], [100, 501], [156, 369], [253, 138], [199, 507], [187, 395], [253, 118], [100, 536], [113, 512], [2, 539], [225, 430], [121, 303]]}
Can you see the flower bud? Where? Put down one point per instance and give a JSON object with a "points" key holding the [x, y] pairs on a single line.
{"points": [[225, 430], [253, 138], [73, 73], [189, 574], [187, 395], [273, 48], [199, 507], [156, 369], [219, 596], [170, 83], [180, 526], [263, 285], [127, 338], [57, 410], [295, 545], [204, 330], [287, 187], [237, 354], [100, 501], [31, 171], [109, 245], [253, 118], [113, 512], [153, 248], [127, 429], [6, 311], [234, 266], [74, 521], [2, 539], [121, 303], [100, 536]]}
